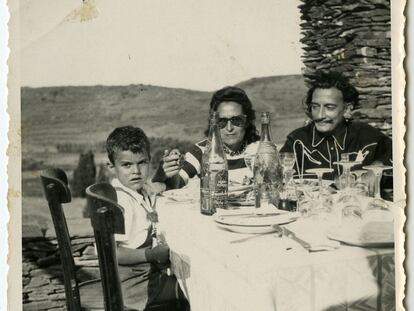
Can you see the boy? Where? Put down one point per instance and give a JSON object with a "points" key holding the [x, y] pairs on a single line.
{"points": [[140, 261]]}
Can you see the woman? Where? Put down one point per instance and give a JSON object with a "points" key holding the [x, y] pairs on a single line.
{"points": [[238, 132]]}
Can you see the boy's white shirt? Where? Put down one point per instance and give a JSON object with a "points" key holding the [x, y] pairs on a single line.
{"points": [[135, 207]]}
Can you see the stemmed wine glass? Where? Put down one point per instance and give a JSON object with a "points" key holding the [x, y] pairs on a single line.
{"points": [[316, 203], [287, 160], [359, 184], [249, 160], [288, 196], [377, 169], [358, 174], [319, 172], [346, 179]]}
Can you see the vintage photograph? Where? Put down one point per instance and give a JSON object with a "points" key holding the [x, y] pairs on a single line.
{"points": [[220, 155]]}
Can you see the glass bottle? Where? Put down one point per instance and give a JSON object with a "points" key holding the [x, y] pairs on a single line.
{"points": [[214, 172], [346, 179], [268, 172]]}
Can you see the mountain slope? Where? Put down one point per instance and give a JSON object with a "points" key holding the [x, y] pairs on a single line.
{"points": [[86, 114]]}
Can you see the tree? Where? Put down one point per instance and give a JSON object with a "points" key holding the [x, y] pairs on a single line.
{"points": [[104, 175], [84, 174]]}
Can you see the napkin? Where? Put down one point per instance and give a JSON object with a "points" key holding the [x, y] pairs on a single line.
{"points": [[313, 233], [182, 195]]}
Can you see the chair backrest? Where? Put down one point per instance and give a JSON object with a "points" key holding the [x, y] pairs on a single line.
{"points": [[107, 219], [55, 185]]}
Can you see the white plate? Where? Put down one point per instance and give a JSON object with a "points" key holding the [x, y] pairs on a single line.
{"points": [[180, 195], [256, 220], [239, 188], [355, 238], [241, 202], [311, 182]]}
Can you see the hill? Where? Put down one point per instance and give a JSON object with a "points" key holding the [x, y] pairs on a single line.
{"points": [[86, 114]]}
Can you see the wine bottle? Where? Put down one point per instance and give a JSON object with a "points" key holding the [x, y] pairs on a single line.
{"points": [[267, 170], [214, 172]]}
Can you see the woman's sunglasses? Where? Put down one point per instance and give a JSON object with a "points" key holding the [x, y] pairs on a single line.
{"points": [[238, 121]]}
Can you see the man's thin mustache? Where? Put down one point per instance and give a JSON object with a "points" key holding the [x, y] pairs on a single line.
{"points": [[323, 120]]}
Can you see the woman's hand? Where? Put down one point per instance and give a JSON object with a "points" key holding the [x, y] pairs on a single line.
{"points": [[172, 161]]}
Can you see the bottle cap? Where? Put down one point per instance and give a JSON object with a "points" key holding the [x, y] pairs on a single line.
{"points": [[265, 118], [213, 117]]}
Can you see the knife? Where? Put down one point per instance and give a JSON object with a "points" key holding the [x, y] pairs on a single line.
{"points": [[278, 234], [291, 235], [251, 215]]}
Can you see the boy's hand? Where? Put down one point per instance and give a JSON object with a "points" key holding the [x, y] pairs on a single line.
{"points": [[171, 162], [160, 254]]}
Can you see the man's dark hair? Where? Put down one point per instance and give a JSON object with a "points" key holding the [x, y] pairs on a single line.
{"points": [[237, 95], [327, 80], [127, 138]]}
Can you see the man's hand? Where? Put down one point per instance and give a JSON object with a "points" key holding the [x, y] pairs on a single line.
{"points": [[171, 162], [160, 254]]}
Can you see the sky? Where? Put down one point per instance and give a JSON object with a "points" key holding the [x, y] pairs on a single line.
{"points": [[195, 44]]}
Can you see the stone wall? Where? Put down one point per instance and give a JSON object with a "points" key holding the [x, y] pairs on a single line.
{"points": [[42, 275], [353, 37]]}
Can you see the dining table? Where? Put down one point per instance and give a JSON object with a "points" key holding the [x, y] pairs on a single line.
{"points": [[218, 269]]}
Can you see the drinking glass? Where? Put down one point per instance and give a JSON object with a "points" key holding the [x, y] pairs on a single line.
{"points": [[249, 161], [377, 169], [378, 204], [319, 172], [346, 178], [360, 186], [388, 192], [351, 208], [359, 174], [315, 205], [287, 160]]}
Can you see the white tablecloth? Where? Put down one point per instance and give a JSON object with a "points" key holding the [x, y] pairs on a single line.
{"points": [[269, 272]]}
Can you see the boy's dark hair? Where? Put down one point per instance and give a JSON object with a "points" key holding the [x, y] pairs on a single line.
{"points": [[237, 95], [127, 138], [327, 80]]}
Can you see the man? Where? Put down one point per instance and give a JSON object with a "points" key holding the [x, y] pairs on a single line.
{"points": [[330, 101]]}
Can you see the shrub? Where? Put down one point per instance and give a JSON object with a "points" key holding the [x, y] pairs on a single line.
{"points": [[84, 174], [104, 175], [29, 164]]}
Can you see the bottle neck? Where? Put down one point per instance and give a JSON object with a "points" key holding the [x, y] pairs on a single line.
{"points": [[265, 133], [214, 138]]}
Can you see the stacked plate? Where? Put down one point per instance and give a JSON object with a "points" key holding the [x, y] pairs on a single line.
{"points": [[239, 195], [253, 221]]}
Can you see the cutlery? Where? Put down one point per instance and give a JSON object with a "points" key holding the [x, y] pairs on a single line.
{"points": [[277, 234], [178, 200], [252, 215], [291, 235]]}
